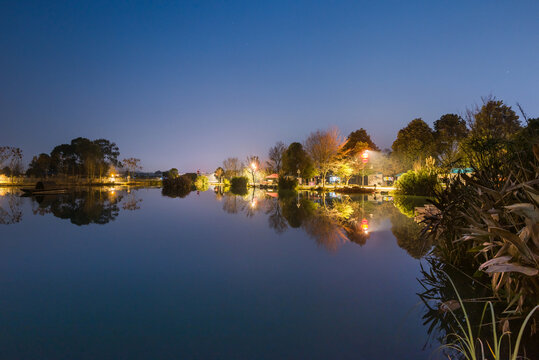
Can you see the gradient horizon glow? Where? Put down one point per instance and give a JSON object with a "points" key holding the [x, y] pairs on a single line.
{"points": [[187, 84]]}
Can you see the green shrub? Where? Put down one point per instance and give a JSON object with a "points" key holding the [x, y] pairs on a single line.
{"points": [[202, 183], [421, 183], [238, 185]]}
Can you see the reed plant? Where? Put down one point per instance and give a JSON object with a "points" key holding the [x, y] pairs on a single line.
{"points": [[472, 346]]}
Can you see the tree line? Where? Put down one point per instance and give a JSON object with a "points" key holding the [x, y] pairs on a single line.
{"points": [[450, 143], [79, 158]]}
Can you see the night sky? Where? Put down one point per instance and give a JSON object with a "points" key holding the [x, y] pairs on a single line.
{"points": [[187, 84]]}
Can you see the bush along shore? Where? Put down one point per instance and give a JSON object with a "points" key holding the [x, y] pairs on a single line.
{"points": [[489, 220]]}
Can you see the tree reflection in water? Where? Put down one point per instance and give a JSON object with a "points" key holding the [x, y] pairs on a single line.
{"points": [[249, 204], [84, 207], [331, 220], [131, 202], [10, 207]]}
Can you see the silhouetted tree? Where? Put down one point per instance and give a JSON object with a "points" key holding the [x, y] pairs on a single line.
{"points": [[449, 131], [358, 136], [132, 165], [414, 143], [296, 158], [276, 157], [493, 120], [39, 166]]}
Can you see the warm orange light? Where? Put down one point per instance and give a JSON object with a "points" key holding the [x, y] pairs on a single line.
{"points": [[365, 154], [365, 225], [253, 165]]}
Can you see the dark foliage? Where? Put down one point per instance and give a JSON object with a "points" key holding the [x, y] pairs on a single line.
{"points": [[180, 186], [238, 185], [286, 183]]}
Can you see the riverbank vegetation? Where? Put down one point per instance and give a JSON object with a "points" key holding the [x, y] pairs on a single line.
{"points": [[177, 186], [82, 161], [487, 220], [421, 160]]}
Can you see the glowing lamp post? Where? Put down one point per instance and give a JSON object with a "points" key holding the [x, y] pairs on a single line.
{"points": [[253, 167], [365, 156], [365, 160]]}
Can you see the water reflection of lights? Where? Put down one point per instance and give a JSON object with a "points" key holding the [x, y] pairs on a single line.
{"points": [[253, 203], [365, 225]]}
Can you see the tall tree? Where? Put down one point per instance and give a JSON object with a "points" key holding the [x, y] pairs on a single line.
{"points": [[358, 136], [493, 120], [351, 159], [109, 153], [84, 157], [324, 146], [219, 172], [132, 165], [276, 156], [253, 166], [64, 160], [414, 143], [39, 166], [449, 131], [172, 173], [296, 158], [5, 153], [232, 167], [15, 162]]}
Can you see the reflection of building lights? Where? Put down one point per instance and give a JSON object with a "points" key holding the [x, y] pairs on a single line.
{"points": [[365, 225], [365, 156], [253, 203]]}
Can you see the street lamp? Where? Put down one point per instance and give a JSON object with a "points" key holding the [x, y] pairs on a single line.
{"points": [[365, 160], [253, 166]]}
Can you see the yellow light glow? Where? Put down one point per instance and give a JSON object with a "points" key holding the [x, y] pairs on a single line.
{"points": [[365, 225], [253, 165]]}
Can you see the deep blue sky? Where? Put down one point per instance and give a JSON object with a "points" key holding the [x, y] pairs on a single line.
{"points": [[187, 84]]}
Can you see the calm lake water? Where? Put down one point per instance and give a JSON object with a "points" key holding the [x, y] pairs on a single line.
{"points": [[112, 274]]}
